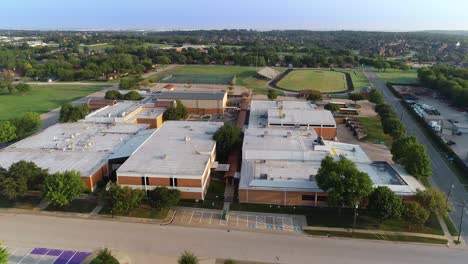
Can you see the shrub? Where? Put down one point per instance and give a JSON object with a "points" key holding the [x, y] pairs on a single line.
{"points": [[385, 204], [132, 95], [272, 94], [414, 214], [113, 95], [104, 257], [187, 258], [332, 107]]}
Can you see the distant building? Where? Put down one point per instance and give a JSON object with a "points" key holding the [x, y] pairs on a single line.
{"points": [[94, 104], [268, 73], [202, 103]]}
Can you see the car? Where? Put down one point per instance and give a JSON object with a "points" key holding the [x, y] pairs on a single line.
{"points": [[450, 143], [459, 133]]}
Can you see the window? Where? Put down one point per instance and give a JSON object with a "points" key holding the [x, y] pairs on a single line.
{"points": [[322, 198], [308, 197], [142, 180], [173, 182]]}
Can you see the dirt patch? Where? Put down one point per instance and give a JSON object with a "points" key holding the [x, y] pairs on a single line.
{"points": [[366, 110]]}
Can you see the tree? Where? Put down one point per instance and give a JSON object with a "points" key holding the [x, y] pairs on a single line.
{"points": [[393, 127], [69, 113], [187, 258], [61, 188], [417, 162], [23, 87], [132, 95], [400, 148], [163, 59], [272, 94], [376, 97], [227, 138], [385, 204], [3, 254], [104, 257], [345, 184], [113, 95], [355, 97], [314, 96], [21, 177], [7, 131], [176, 113], [124, 199], [414, 214], [434, 201], [162, 197], [332, 107], [26, 124]]}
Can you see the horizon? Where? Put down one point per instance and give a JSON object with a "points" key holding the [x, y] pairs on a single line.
{"points": [[147, 15]]}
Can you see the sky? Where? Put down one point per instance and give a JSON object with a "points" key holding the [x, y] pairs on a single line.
{"points": [[373, 15]]}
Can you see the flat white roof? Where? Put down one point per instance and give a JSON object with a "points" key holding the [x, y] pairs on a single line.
{"points": [[80, 146], [259, 110], [295, 144], [302, 117], [284, 175], [119, 113], [177, 148]]}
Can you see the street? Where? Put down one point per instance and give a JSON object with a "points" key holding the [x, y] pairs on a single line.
{"points": [[146, 239], [442, 176]]}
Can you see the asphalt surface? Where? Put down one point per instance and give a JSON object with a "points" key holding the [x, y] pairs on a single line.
{"points": [[442, 176], [148, 239]]}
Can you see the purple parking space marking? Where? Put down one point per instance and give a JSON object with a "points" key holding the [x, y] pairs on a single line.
{"points": [[65, 257], [54, 252], [39, 251], [79, 257]]}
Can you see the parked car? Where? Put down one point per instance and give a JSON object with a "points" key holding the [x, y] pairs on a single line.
{"points": [[450, 143]]}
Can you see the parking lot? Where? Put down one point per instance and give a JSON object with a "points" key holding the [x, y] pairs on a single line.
{"points": [[240, 220], [45, 256]]}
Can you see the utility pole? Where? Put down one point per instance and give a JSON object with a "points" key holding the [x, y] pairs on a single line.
{"points": [[449, 193], [461, 221], [354, 219]]}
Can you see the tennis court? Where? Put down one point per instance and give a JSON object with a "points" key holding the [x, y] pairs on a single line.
{"points": [[198, 79], [45, 256]]}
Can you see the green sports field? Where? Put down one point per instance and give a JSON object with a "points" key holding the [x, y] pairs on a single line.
{"points": [[245, 76], [42, 98], [323, 81], [397, 76]]}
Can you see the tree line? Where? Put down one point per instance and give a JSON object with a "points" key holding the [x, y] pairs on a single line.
{"points": [[450, 81], [19, 127]]}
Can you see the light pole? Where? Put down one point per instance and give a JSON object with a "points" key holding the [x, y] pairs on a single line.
{"points": [[354, 219], [111, 199], [461, 221]]}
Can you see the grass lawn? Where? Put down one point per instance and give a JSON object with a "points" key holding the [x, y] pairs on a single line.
{"points": [[359, 79], [397, 76], [374, 131], [245, 76], [26, 202], [451, 227], [76, 206], [144, 211], [377, 236], [329, 217], [323, 81], [42, 98]]}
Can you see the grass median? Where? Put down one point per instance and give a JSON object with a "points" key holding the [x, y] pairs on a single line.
{"points": [[400, 238]]}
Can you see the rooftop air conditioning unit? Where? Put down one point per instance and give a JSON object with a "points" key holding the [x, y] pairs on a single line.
{"points": [[263, 176]]}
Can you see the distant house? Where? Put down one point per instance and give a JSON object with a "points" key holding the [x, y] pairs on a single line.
{"points": [[168, 87]]}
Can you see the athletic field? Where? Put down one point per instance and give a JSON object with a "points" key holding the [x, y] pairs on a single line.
{"points": [[43, 98], [198, 79], [323, 81]]}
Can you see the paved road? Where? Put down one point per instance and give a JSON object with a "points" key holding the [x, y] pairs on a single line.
{"points": [[442, 176], [138, 239]]}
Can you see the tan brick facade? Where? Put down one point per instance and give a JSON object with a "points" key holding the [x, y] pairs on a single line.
{"points": [[91, 181], [282, 197]]}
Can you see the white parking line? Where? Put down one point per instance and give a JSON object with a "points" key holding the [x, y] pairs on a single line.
{"points": [[260, 221], [71, 257], [25, 256], [43, 256], [191, 217], [211, 218]]}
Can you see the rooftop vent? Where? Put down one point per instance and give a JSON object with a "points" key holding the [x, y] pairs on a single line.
{"points": [[187, 138], [265, 133], [262, 161], [164, 156], [288, 134]]}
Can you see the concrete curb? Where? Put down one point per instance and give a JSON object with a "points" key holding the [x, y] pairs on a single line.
{"points": [[171, 219]]}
